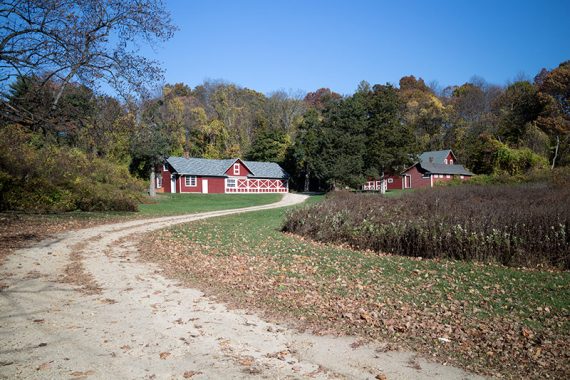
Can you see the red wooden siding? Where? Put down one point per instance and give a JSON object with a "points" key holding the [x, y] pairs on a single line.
{"points": [[450, 159], [416, 178], [166, 180], [395, 184], [242, 172]]}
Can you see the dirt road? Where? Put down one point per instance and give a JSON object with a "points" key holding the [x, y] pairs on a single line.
{"points": [[120, 318]]}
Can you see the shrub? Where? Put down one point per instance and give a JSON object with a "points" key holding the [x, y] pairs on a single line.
{"points": [[48, 178], [515, 225]]}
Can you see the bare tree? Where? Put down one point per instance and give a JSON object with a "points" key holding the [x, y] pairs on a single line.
{"points": [[82, 40]]}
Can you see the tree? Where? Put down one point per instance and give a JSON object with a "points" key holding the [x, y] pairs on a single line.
{"points": [[304, 153], [554, 96], [82, 40], [518, 107], [321, 98], [390, 140], [269, 145]]}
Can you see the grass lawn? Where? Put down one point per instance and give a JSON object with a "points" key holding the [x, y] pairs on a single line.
{"points": [[491, 319], [174, 204]]}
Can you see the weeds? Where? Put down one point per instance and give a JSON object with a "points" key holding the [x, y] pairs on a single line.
{"points": [[523, 225]]}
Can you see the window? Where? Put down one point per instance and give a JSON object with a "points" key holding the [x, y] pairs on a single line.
{"points": [[159, 182], [461, 177], [230, 182], [450, 162], [190, 180], [236, 169], [447, 176], [445, 161], [390, 180]]}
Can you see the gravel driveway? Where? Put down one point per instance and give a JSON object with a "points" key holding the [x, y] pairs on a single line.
{"points": [[81, 305]]}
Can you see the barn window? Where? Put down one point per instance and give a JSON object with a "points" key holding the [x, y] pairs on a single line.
{"points": [[445, 161], [448, 176], [236, 169], [190, 180], [390, 180], [450, 161], [461, 177], [230, 182], [159, 182]]}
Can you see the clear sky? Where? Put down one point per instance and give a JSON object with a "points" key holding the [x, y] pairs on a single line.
{"points": [[304, 45]]}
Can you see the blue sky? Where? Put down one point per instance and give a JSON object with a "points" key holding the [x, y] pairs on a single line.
{"points": [[304, 45]]}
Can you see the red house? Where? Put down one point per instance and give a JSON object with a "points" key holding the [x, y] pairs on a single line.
{"points": [[201, 175], [432, 167]]}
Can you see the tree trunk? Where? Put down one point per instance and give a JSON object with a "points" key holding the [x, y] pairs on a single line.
{"points": [[307, 180], [555, 152], [152, 185]]}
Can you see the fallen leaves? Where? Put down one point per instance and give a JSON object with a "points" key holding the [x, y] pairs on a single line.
{"points": [[461, 314], [164, 355]]}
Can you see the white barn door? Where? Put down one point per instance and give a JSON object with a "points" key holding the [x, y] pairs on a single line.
{"points": [[205, 186]]}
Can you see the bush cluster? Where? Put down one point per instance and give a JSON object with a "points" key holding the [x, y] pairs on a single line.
{"points": [[40, 177], [515, 225]]}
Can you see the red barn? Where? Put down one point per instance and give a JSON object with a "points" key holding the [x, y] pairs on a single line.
{"points": [[201, 175], [432, 167]]}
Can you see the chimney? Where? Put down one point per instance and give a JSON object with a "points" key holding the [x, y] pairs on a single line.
{"points": [[186, 154]]}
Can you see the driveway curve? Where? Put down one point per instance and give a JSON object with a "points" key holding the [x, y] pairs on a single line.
{"points": [[81, 305]]}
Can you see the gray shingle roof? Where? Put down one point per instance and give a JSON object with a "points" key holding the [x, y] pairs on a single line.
{"points": [[218, 168], [438, 156], [445, 169], [437, 166]]}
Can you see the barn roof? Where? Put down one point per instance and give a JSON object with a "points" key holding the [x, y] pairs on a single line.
{"points": [[218, 168], [438, 156], [445, 169], [433, 162]]}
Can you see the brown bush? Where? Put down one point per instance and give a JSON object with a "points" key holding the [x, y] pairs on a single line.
{"points": [[515, 225]]}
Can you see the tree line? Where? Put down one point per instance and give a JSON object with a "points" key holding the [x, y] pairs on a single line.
{"points": [[53, 57]]}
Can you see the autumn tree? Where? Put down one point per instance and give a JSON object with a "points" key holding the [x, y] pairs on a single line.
{"points": [[554, 96]]}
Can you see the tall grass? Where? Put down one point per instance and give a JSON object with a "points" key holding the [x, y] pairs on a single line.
{"points": [[522, 225]]}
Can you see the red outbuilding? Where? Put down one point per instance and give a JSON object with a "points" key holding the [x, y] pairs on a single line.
{"points": [[432, 167], [231, 176]]}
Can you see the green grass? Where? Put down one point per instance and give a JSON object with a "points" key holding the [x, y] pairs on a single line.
{"points": [[507, 289], [164, 205], [323, 283], [174, 204]]}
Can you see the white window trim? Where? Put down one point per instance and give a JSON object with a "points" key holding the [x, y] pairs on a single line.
{"points": [[234, 181], [445, 161], [450, 162], [390, 180], [190, 181], [409, 182], [447, 176], [236, 168]]}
